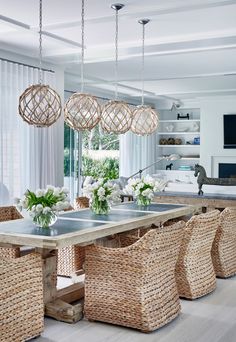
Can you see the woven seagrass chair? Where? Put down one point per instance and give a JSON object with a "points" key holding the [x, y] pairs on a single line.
{"points": [[21, 298], [224, 246], [8, 213], [134, 286], [71, 258], [195, 274]]}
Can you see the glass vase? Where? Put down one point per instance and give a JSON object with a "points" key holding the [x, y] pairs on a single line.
{"points": [[100, 207], [45, 220], [143, 201]]}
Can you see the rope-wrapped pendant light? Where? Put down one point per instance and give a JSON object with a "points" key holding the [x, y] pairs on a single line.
{"points": [[116, 115], [39, 104], [82, 111], [145, 119]]}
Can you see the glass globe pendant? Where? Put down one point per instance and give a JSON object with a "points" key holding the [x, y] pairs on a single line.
{"points": [[39, 104], [82, 111], [145, 118], [116, 115]]}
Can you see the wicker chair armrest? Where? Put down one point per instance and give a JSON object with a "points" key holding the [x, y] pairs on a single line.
{"points": [[147, 238]]}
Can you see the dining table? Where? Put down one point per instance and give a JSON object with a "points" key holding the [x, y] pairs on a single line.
{"points": [[81, 227]]}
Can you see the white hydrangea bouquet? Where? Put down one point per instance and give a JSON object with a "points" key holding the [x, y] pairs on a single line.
{"points": [[143, 189], [44, 204], [102, 195]]}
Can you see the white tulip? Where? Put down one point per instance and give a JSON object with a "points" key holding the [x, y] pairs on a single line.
{"points": [[60, 205], [140, 185], [33, 208], [56, 191], [39, 192], [24, 203], [101, 192], [50, 187], [66, 204], [46, 210], [39, 208], [100, 181], [65, 190]]}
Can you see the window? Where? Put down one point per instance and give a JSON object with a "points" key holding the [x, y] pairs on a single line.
{"points": [[89, 153]]}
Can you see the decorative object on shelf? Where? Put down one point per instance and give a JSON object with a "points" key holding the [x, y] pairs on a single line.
{"points": [[169, 166], [171, 141], [82, 111], [180, 116], [178, 141], [145, 119], [196, 141], [170, 128], [163, 141], [168, 157], [143, 189], [185, 168], [175, 106], [39, 104], [195, 127], [102, 195], [200, 172], [44, 204], [116, 115], [183, 129]]}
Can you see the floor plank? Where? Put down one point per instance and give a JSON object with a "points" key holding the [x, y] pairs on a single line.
{"points": [[211, 319]]}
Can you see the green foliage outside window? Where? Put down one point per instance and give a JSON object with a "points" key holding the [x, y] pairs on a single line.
{"points": [[107, 168]]}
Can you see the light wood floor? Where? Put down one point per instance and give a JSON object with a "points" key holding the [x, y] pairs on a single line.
{"points": [[209, 319]]}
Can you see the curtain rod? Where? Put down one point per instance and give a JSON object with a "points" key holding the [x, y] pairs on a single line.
{"points": [[27, 65]]}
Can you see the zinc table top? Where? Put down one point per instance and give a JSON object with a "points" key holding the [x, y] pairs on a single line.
{"points": [[83, 226]]}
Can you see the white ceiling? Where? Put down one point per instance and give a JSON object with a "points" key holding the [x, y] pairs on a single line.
{"points": [[190, 45]]}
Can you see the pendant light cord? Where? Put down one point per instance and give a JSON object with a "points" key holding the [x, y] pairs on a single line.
{"points": [[143, 65], [40, 42], [116, 57], [143, 22], [82, 51]]}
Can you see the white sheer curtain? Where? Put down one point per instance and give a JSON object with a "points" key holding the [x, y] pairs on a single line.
{"points": [[136, 153], [29, 156]]}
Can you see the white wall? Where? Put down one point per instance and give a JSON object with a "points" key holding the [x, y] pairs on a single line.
{"points": [[212, 111]]}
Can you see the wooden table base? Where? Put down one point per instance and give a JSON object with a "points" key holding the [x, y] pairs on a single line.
{"points": [[58, 302], [62, 309]]}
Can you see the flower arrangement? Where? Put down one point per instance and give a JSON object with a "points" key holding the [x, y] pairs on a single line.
{"points": [[143, 189], [102, 195], [44, 204]]}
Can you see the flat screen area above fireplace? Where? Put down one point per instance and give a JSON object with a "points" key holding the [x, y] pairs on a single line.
{"points": [[227, 170], [229, 131]]}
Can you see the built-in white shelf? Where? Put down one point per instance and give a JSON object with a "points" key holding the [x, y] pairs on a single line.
{"points": [[179, 133], [188, 145], [176, 170], [186, 130], [184, 158], [189, 158], [181, 121]]}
